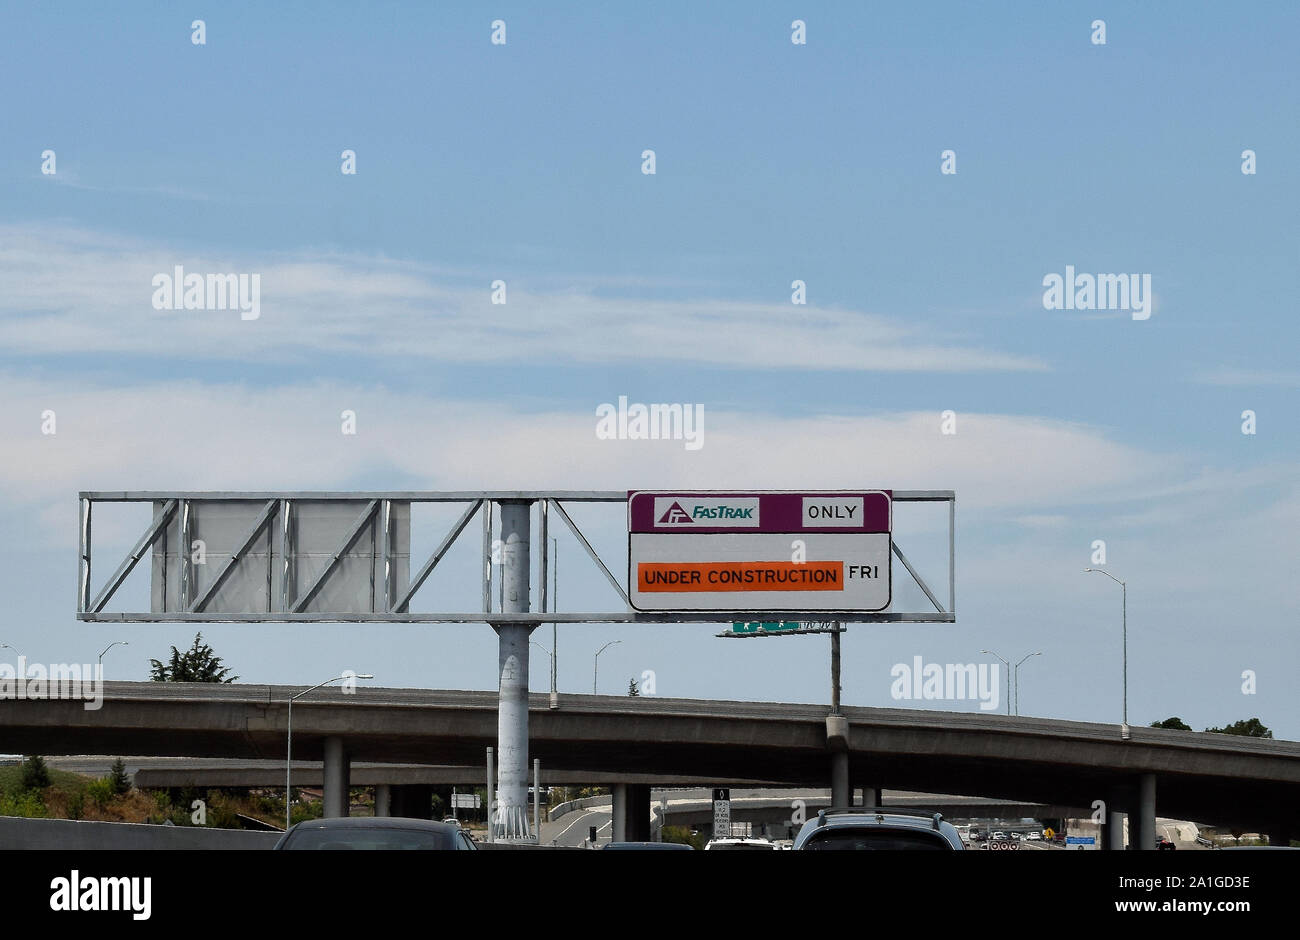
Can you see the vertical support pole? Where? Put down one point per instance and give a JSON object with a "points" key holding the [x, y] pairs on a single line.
{"points": [[619, 807], [491, 798], [835, 668], [543, 561], [952, 555], [841, 795], [1114, 829], [336, 778], [83, 573], [1147, 812], [512, 644], [383, 800], [487, 555]]}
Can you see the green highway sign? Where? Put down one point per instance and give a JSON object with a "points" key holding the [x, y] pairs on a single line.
{"points": [[782, 626]]}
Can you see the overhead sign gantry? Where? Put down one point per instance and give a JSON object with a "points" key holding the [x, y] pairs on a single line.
{"points": [[693, 557]]}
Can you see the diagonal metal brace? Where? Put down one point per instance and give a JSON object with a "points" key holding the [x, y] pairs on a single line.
{"points": [[916, 577], [363, 520], [418, 581], [128, 564], [245, 544], [590, 551]]}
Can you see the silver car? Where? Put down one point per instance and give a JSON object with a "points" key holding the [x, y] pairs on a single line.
{"points": [[878, 829]]}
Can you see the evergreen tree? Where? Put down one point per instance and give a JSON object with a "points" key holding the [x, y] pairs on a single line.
{"points": [[36, 776], [118, 777], [197, 664]]}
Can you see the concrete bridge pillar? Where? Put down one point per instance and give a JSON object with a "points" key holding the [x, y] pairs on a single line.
{"points": [[631, 812], [837, 740], [872, 796], [1112, 832], [411, 800], [383, 800], [841, 793], [1146, 821], [336, 778]]}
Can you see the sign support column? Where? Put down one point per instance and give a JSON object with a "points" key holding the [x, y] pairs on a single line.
{"points": [[511, 821]]}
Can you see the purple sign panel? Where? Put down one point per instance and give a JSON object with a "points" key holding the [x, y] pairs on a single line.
{"points": [[774, 511]]}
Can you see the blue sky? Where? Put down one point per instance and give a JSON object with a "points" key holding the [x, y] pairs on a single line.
{"points": [[774, 162]]}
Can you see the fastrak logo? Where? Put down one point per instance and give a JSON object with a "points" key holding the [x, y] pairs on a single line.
{"points": [[719, 512], [674, 516]]}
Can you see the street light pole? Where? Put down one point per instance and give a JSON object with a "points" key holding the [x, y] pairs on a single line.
{"points": [[552, 655], [1124, 730], [106, 649], [1018, 665], [1008, 665], [595, 665], [288, 760]]}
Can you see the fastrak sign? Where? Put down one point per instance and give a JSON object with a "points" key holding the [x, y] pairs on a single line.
{"points": [[760, 551]]}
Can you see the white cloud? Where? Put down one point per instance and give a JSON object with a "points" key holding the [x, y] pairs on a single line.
{"points": [[76, 291], [191, 435]]}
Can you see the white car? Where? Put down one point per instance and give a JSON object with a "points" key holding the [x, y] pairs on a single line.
{"points": [[999, 836], [1034, 837]]}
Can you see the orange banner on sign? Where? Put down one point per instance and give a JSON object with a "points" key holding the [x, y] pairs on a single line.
{"points": [[702, 577]]}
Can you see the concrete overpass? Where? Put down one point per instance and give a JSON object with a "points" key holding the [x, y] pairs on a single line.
{"points": [[1220, 779]]}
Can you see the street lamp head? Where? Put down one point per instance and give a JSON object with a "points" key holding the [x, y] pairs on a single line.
{"points": [[365, 675], [1088, 569]]}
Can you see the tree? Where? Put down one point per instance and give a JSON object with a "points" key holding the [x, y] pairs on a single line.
{"points": [[197, 664], [118, 777], [36, 776], [1173, 724], [632, 690], [1249, 727]]}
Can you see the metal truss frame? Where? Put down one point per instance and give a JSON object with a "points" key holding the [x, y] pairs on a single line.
{"points": [[395, 608]]}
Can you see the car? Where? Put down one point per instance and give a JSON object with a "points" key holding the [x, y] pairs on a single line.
{"points": [[647, 846], [741, 845], [382, 833], [1000, 836], [1164, 844], [877, 829], [1034, 837]]}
